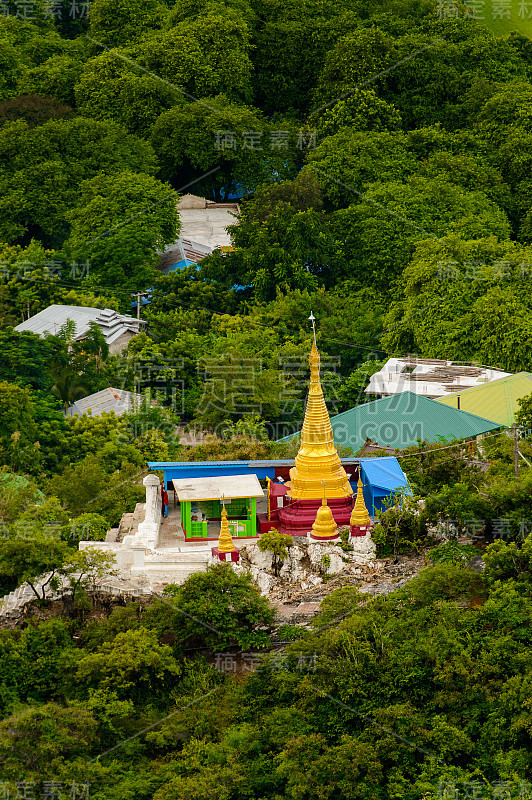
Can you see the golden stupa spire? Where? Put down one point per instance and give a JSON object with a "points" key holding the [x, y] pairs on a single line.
{"points": [[360, 515], [317, 459], [324, 526], [225, 542]]}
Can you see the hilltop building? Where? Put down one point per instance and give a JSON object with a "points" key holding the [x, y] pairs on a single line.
{"points": [[497, 400], [429, 377], [204, 227], [116, 400], [117, 328]]}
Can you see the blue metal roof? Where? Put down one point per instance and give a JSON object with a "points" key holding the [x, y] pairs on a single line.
{"points": [[384, 473]]}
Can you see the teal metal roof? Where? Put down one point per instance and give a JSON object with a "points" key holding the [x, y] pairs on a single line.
{"points": [[399, 420]]}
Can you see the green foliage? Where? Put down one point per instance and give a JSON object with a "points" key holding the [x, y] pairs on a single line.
{"points": [[508, 560], [400, 528], [452, 553], [26, 558], [277, 544], [120, 224], [219, 608]]}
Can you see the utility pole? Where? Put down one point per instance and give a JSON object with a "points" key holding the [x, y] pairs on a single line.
{"points": [[138, 295], [516, 452]]}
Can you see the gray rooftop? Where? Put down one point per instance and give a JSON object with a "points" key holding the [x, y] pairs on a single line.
{"points": [[117, 400], [50, 321]]}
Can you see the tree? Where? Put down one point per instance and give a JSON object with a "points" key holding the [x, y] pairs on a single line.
{"points": [[351, 392], [134, 665], [205, 55], [24, 559], [34, 109], [277, 544], [524, 414], [357, 57], [86, 527], [362, 110], [218, 608], [34, 739], [46, 164], [229, 138], [120, 225], [459, 281], [68, 385], [119, 23], [111, 89], [381, 230], [86, 569], [18, 431]]}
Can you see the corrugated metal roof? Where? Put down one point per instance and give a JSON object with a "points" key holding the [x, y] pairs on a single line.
{"points": [[117, 400], [228, 486], [399, 420], [51, 320], [385, 473], [496, 400]]}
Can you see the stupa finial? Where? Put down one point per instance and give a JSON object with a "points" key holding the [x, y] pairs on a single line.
{"points": [[225, 541], [360, 515], [317, 458]]}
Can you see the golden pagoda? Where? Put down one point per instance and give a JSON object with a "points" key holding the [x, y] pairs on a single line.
{"points": [[317, 459], [225, 541], [324, 526], [360, 516]]}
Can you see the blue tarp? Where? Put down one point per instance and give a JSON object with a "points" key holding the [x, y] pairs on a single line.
{"points": [[382, 478]]}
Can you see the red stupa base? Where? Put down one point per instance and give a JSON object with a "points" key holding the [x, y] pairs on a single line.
{"points": [[359, 530], [334, 538], [223, 555], [297, 518]]}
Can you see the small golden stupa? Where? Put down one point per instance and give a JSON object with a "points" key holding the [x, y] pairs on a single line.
{"points": [[324, 526], [360, 516], [225, 541], [317, 459]]}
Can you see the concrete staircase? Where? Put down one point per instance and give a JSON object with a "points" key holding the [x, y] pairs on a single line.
{"points": [[15, 601]]}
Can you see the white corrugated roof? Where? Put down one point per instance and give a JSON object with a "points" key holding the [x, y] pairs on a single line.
{"points": [[214, 488], [117, 400], [51, 319]]}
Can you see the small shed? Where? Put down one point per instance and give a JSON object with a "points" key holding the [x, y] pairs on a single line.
{"points": [[201, 502], [382, 479]]}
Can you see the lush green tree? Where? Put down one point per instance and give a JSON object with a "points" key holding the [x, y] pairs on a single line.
{"points": [[204, 55], [16, 493], [41, 169], [18, 431], [113, 89], [134, 665], [346, 162], [114, 24], [33, 740], [86, 569], [362, 110], [524, 415], [459, 281], [120, 225], [277, 544], [380, 231], [219, 608], [25, 558], [355, 60], [232, 140]]}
